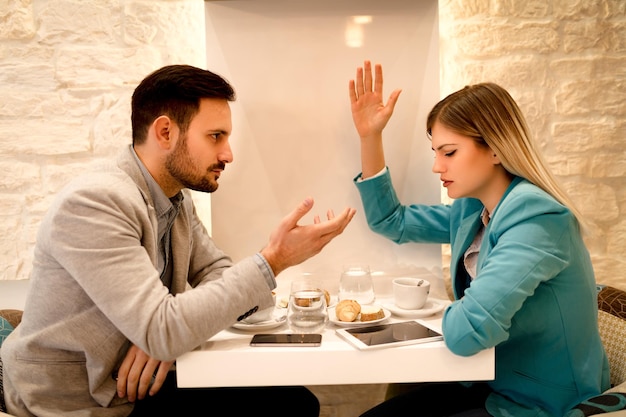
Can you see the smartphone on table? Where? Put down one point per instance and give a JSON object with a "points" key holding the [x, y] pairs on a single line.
{"points": [[286, 339]]}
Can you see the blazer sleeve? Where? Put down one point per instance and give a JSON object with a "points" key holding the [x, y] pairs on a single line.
{"points": [[399, 223]]}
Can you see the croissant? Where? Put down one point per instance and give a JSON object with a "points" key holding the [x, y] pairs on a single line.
{"points": [[347, 310]]}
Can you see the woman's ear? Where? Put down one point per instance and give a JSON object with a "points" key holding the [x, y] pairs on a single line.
{"points": [[496, 159]]}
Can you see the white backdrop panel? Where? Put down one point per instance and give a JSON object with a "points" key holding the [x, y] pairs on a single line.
{"points": [[290, 63]]}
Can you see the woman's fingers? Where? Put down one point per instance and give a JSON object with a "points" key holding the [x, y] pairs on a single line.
{"points": [[367, 69]]}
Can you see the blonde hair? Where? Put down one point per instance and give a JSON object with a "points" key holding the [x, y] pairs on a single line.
{"points": [[488, 114]]}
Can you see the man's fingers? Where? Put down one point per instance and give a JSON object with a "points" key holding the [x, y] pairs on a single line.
{"points": [[336, 225], [125, 367], [303, 208], [160, 376]]}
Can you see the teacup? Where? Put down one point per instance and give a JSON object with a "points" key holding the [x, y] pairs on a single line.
{"points": [[410, 293], [262, 315]]}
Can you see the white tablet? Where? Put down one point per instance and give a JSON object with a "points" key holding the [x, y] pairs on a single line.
{"points": [[389, 335]]}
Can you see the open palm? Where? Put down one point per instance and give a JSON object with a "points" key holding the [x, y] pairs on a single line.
{"points": [[369, 113]]}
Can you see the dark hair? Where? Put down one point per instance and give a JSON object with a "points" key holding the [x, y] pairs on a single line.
{"points": [[174, 91]]}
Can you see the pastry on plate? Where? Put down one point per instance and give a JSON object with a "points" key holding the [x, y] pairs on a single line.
{"points": [[347, 310], [370, 313]]}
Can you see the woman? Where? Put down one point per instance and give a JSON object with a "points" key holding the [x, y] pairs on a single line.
{"points": [[521, 275]]}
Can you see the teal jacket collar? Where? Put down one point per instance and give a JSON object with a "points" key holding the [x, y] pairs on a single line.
{"points": [[463, 239]]}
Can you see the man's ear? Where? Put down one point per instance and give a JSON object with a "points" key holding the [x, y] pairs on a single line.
{"points": [[163, 131]]}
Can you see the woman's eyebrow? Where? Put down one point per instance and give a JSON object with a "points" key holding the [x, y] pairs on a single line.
{"points": [[443, 146]]}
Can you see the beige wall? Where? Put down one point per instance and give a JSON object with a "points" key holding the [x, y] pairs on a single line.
{"points": [[291, 139], [67, 69]]}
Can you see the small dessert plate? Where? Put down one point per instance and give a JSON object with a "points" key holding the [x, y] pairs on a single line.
{"points": [[278, 319], [432, 306]]}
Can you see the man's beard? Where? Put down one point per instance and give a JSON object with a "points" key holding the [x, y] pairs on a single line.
{"points": [[181, 167]]}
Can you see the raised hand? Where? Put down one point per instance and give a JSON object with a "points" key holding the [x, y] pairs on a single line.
{"points": [[291, 244], [369, 113]]}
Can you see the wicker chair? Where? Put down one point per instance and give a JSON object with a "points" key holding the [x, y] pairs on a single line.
{"points": [[9, 319]]}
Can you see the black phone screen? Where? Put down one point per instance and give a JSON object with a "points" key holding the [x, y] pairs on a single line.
{"points": [[286, 339], [394, 334]]}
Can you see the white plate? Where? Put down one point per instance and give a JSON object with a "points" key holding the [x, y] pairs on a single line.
{"points": [[332, 317], [431, 307], [279, 318]]}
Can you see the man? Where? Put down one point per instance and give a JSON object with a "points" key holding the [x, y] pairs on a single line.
{"points": [[126, 278]]}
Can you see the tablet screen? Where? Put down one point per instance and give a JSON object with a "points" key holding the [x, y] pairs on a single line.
{"points": [[386, 335]]}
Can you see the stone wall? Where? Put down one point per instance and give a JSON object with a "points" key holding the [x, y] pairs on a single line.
{"points": [[564, 61], [67, 70]]}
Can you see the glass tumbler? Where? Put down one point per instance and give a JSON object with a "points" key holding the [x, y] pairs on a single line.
{"points": [[356, 284], [307, 307]]}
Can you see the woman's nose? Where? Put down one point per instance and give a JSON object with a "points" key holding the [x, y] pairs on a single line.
{"points": [[437, 168]]}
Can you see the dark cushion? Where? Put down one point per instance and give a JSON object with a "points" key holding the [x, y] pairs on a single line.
{"points": [[612, 325], [613, 301], [600, 404]]}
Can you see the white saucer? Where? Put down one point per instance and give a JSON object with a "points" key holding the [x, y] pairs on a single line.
{"points": [[431, 307], [332, 317], [279, 319]]}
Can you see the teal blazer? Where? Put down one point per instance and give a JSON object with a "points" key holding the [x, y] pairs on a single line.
{"points": [[534, 296]]}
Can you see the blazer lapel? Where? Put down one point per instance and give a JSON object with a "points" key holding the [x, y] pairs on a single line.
{"points": [[181, 250]]}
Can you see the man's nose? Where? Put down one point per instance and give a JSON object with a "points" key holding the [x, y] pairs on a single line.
{"points": [[226, 154]]}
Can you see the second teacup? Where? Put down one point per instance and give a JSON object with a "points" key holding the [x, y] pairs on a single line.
{"points": [[410, 293]]}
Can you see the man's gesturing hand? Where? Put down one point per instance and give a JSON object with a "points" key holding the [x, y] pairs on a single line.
{"points": [[291, 244]]}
